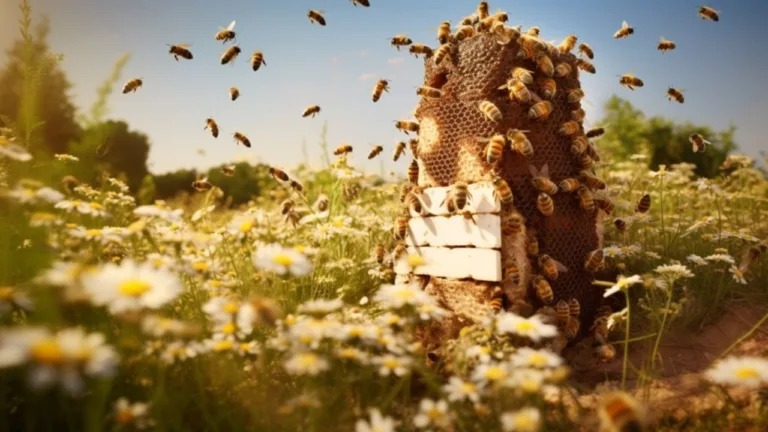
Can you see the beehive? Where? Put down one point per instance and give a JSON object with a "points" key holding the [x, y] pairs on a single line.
{"points": [[449, 151]]}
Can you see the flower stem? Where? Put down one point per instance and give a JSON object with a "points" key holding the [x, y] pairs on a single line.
{"points": [[746, 335], [625, 360], [661, 329]]}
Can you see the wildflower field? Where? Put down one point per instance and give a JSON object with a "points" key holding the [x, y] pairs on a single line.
{"points": [[283, 314]]}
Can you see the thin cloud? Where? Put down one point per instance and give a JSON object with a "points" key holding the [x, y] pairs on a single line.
{"points": [[334, 60], [366, 76], [362, 53], [396, 60]]}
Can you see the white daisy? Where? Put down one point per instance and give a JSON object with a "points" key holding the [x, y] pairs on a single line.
{"points": [[459, 390], [132, 414], [490, 373], [393, 365], [674, 271], [738, 275], [400, 295], [321, 306], [377, 423], [748, 371], [281, 260], [66, 157], [432, 413], [306, 363], [623, 284], [523, 420], [697, 260], [721, 258], [10, 149], [533, 328], [528, 357]]}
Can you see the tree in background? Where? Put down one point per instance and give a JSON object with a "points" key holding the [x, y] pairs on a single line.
{"points": [[147, 191], [169, 184], [624, 126], [248, 181]]}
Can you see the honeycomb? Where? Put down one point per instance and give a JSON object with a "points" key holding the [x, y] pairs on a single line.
{"points": [[450, 151]]}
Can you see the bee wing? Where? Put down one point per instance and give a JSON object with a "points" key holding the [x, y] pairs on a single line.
{"points": [[533, 170], [545, 170], [560, 267], [184, 45], [624, 24], [231, 26]]}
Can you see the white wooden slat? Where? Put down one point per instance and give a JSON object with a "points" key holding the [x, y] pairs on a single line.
{"points": [[456, 230], [458, 263], [482, 201]]}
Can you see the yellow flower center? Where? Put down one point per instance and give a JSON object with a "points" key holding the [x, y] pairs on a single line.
{"points": [[6, 293], [228, 328], [157, 262], [125, 416], [133, 288], [95, 206], [524, 423], [338, 223], [223, 345], [245, 346], [44, 217], [230, 307], [246, 226], [485, 350], [530, 386], [468, 388], [391, 363], [353, 332], [308, 360], [495, 373], [200, 266], [93, 232], [746, 373], [404, 294], [47, 351], [434, 414], [537, 359], [215, 283], [300, 248], [283, 259], [348, 353], [290, 320], [524, 326], [28, 193], [416, 260]]}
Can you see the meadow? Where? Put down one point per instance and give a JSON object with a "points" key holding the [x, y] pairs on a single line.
{"points": [[278, 314]]}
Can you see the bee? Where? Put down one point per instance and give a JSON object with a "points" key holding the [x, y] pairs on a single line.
{"points": [[586, 50], [520, 142], [585, 66], [242, 139], [342, 150], [592, 181], [698, 142], [375, 152], [497, 299], [417, 49], [620, 224], [545, 204], [541, 110], [676, 94], [605, 353], [531, 243], [399, 250], [563, 69], [401, 226], [706, 12], [541, 181], [381, 86], [550, 267], [518, 91], [665, 45], [595, 261], [585, 162], [378, 253], [316, 16], [312, 110], [600, 329], [596, 132], [400, 41], [464, 32], [547, 88], [644, 204], [180, 51], [407, 126], [444, 32], [543, 290], [428, 92], [624, 31], [569, 128], [592, 153], [445, 50], [211, 124], [579, 144], [575, 95], [414, 201], [399, 150], [490, 111], [230, 54], [322, 203], [568, 44], [604, 203], [513, 224], [133, 85], [618, 411], [495, 148], [278, 174], [202, 185], [512, 273], [502, 192], [459, 194], [227, 34], [578, 114], [563, 312], [749, 256], [364, 3], [482, 10], [569, 185], [293, 218], [586, 200], [286, 206], [228, 170], [630, 81], [523, 75], [413, 171], [572, 327], [295, 185], [604, 311], [574, 308], [413, 144], [234, 93], [257, 59], [544, 63], [533, 31]]}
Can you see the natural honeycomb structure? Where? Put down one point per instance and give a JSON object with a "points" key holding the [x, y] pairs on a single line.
{"points": [[452, 139]]}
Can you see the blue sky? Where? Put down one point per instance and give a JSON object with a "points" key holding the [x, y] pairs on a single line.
{"points": [[719, 64]]}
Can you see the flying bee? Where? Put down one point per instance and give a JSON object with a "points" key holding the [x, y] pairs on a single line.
{"points": [[596, 132], [544, 63], [378, 253], [585, 162], [227, 34], [572, 327], [342, 150], [407, 126], [381, 86], [513, 223], [624, 31], [292, 218], [563, 69], [644, 204], [533, 31], [550, 267], [286, 206], [575, 95], [295, 185], [579, 144], [541, 181], [512, 273], [585, 66], [490, 111], [316, 16], [278, 174], [133, 85], [202, 185], [665, 45], [520, 142], [459, 194], [540, 110], [595, 261], [230, 54], [545, 204], [630, 81], [605, 353], [401, 226], [445, 50], [523, 75], [400, 41], [311, 110], [543, 290], [586, 200], [497, 299], [364, 3], [428, 92], [257, 59], [417, 49], [228, 170], [618, 411], [563, 312], [592, 180], [586, 50], [698, 142], [464, 32], [569, 185], [211, 124], [568, 44], [547, 88], [604, 203], [242, 139], [413, 171], [706, 12], [574, 308], [531, 243], [502, 192], [495, 149], [749, 256], [578, 114], [322, 203], [569, 128], [234, 93], [518, 91], [620, 224], [676, 94], [375, 152], [180, 51], [399, 150], [444, 32], [413, 144]]}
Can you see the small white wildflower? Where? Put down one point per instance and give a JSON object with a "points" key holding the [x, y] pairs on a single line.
{"points": [[459, 390], [10, 149], [393, 365], [400, 295], [306, 363], [280, 260], [533, 328], [738, 275], [135, 414], [66, 157], [524, 420], [748, 371], [721, 258], [674, 271], [377, 423], [697, 260], [432, 413], [321, 307], [531, 358], [490, 373], [623, 284]]}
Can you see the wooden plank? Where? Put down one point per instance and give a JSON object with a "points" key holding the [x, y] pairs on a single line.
{"points": [[457, 230], [482, 201], [458, 263]]}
